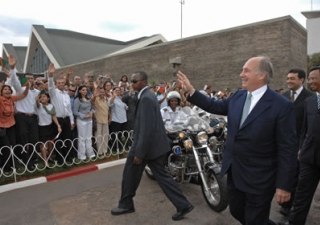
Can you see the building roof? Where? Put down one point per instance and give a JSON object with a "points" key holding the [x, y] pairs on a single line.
{"points": [[65, 47], [311, 14], [19, 52]]}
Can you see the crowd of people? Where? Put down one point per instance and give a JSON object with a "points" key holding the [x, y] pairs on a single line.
{"points": [[41, 113], [269, 132]]}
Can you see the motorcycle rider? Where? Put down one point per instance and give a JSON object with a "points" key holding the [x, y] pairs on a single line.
{"points": [[171, 112]]}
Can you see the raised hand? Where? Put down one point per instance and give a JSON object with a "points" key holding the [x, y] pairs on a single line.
{"points": [[51, 70], [69, 71], [183, 79], [12, 61]]}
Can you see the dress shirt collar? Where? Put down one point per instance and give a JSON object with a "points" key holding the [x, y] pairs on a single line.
{"points": [[298, 91], [139, 95]]}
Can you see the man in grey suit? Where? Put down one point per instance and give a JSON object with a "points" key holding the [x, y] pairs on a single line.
{"points": [[297, 94], [149, 146]]}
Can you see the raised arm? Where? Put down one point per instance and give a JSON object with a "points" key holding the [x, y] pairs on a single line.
{"points": [[14, 79], [24, 93], [51, 71]]}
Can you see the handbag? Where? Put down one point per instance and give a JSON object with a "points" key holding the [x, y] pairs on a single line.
{"points": [[3, 132]]}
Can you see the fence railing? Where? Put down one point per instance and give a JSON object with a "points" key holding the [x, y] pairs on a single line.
{"points": [[41, 157]]}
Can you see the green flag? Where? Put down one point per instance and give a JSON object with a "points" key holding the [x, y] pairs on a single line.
{"points": [[3, 62]]}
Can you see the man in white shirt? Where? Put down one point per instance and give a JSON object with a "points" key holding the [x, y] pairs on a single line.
{"points": [[61, 101], [26, 118]]}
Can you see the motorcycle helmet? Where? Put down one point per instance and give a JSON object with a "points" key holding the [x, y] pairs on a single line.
{"points": [[173, 94]]}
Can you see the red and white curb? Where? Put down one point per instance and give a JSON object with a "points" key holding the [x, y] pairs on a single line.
{"points": [[45, 179]]}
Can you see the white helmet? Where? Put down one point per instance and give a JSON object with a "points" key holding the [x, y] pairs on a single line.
{"points": [[173, 94]]}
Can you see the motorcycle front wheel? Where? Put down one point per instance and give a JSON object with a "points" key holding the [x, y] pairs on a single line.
{"points": [[217, 196], [149, 173]]}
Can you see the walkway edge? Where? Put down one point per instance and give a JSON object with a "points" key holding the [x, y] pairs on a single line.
{"points": [[45, 179], [22, 184]]}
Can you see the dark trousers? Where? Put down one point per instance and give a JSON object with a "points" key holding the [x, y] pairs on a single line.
{"points": [[6, 142], [132, 174], [307, 185], [63, 143], [27, 132], [249, 209]]}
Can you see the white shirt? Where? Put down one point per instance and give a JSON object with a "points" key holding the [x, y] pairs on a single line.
{"points": [[164, 103], [44, 117], [61, 101], [256, 95], [297, 92], [27, 104], [169, 116], [118, 110]]}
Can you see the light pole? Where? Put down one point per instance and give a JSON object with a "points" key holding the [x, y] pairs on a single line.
{"points": [[182, 3]]}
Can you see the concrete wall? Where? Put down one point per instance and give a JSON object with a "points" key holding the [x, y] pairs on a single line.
{"points": [[215, 58], [313, 26]]}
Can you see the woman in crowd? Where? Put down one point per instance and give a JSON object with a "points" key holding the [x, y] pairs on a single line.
{"points": [[103, 119], [7, 124], [83, 110], [118, 110], [107, 86], [46, 115]]}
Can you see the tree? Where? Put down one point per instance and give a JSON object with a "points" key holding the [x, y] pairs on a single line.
{"points": [[313, 60]]}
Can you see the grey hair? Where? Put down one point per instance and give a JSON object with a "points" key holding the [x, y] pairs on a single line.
{"points": [[265, 66]]}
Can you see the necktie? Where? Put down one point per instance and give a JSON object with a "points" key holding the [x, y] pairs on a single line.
{"points": [[318, 97], [246, 108], [292, 96]]}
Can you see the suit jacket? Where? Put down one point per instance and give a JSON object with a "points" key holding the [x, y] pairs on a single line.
{"points": [[299, 107], [262, 152], [149, 139], [310, 136]]}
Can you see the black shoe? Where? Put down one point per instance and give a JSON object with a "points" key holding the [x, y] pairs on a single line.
{"points": [[179, 215], [285, 211], [285, 223], [120, 211]]}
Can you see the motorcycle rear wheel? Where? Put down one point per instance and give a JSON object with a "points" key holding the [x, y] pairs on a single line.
{"points": [[217, 196]]}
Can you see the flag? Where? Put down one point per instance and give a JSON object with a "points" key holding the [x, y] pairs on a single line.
{"points": [[180, 86], [3, 62], [24, 82], [161, 90]]}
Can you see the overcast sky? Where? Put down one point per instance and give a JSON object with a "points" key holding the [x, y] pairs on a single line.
{"points": [[125, 20]]}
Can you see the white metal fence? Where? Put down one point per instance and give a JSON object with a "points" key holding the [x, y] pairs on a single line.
{"points": [[106, 146]]}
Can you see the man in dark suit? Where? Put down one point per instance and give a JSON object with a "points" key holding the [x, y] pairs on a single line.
{"points": [[309, 154], [260, 154], [297, 94], [149, 146]]}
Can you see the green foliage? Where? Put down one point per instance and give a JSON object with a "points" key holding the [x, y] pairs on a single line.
{"points": [[152, 83], [313, 60]]}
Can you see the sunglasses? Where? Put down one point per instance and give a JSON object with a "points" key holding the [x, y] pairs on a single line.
{"points": [[72, 90], [135, 81]]}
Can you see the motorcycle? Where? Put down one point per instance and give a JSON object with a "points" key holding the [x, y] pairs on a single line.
{"points": [[191, 160], [217, 136]]}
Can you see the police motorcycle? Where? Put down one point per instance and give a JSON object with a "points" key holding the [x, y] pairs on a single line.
{"points": [[192, 161], [217, 133]]}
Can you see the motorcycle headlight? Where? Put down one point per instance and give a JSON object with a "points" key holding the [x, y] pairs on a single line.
{"points": [[202, 138], [182, 135], [176, 150], [188, 144]]}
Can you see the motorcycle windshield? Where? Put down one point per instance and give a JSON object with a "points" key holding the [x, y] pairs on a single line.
{"points": [[188, 120]]}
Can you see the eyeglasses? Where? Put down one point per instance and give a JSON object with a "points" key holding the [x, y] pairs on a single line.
{"points": [[135, 81], [72, 90]]}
